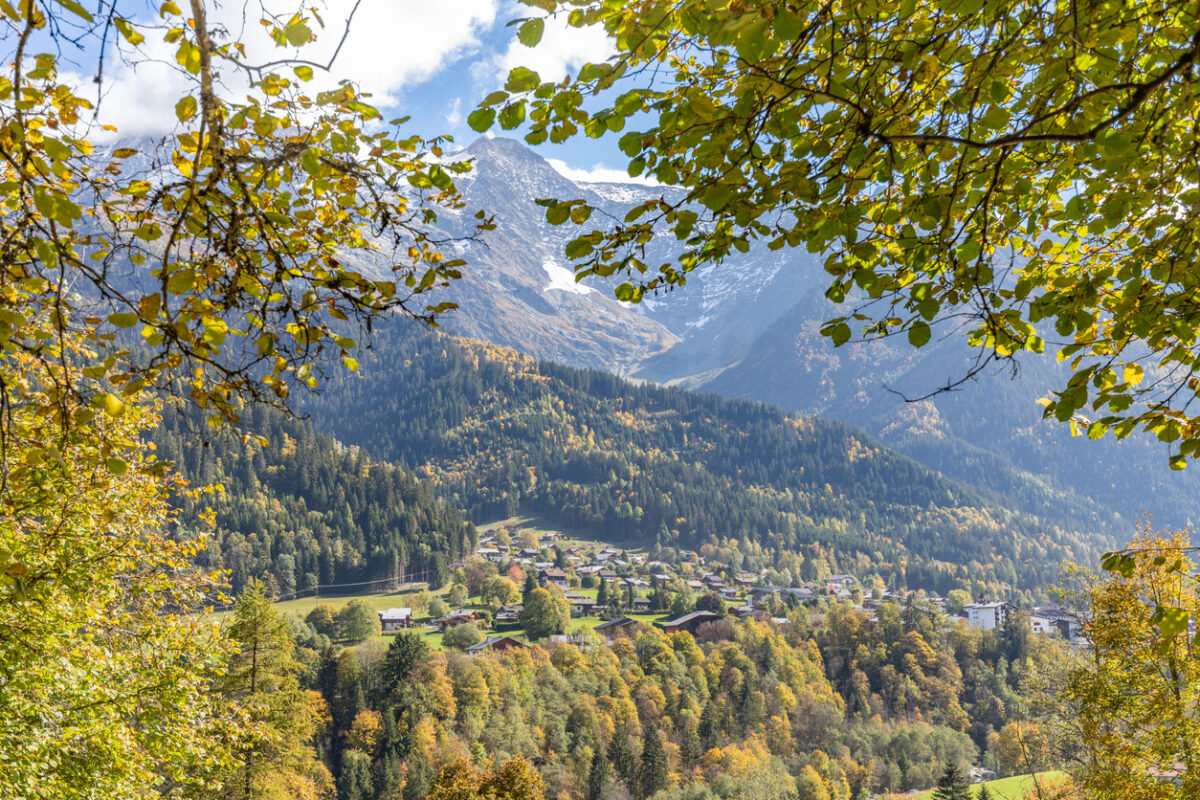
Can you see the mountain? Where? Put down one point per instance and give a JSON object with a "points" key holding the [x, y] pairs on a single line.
{"points": [[749, 329], [495, 431]]}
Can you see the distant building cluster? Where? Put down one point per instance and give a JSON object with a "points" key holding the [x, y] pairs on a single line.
{"points": [[628, 584]]}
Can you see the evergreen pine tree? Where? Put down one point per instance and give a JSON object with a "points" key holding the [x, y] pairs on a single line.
{"points": [[708, 725], [530, 585], [355, 782], [261, 679], [689, 747], [622, 758], [952, 785], [984, 793], [598, 775], [652, 776]]}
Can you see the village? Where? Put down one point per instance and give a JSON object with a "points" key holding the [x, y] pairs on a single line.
{"points": [[611, 593]]}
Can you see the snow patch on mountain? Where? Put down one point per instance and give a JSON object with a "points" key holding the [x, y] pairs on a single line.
{"points": [[563, 279]]}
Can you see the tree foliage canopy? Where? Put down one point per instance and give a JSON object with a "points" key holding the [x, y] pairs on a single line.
{"points": [[1024, 171], [1121, 712], [228, 246]]}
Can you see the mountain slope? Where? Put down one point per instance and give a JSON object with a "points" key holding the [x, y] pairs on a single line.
{"points": [[748, 329], [495, 430], [306, 510], [988, 433]]}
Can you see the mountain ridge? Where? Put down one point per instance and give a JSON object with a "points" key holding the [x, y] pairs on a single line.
{"points": [[749, 328]]}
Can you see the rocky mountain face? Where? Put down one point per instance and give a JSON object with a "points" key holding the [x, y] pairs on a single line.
{"points": [[519, 291], [749, 328]]}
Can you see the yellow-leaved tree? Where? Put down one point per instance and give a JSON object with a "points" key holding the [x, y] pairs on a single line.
{"points": [[231, 261], [1122, 711], [104, 670]]}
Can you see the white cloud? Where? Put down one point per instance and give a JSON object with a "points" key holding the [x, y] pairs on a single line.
{"points": [[597, 174], [454, 115], [395, 43], [562, 50], [391, 45]]}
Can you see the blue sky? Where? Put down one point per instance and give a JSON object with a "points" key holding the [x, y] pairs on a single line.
{"points": [[432, 60]]}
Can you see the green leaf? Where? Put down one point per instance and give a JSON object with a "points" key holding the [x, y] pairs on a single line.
{"points": [[123, 320], [918, 334], [303, 72], [521, 79], [530, 32], [181, 282], [116, 466], [481, 119], [512, 115], [298, 34], [578, 248], [839, 332], [558, 214]]}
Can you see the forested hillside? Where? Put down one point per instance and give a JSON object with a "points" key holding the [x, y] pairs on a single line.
{"points": [[839, 708], [306, 510], [988, 433], [494, 430]]}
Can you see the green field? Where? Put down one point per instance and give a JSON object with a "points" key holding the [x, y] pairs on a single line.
{"points": [[1012, 788], [379, 602], [539, 525]]}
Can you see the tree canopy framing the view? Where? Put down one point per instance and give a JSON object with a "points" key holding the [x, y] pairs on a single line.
{"points": [[230, 246], [1025, 172]]}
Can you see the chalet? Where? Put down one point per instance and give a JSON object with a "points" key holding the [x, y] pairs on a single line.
{"points": [[553, 575], [581, 606], [744, 581], [454, 619], [394, 619], [641, 604], [607, 554], [1042, 626], [761, 595], [635, 583], [579, 640], [496, 644], [987, 616], [1065, 623], [691, 622], [509, 613], [728, 593], [530, 552], [750, 612], [713, 581], [621, 626], [606, 575], [697, 587], [843, 580]]}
